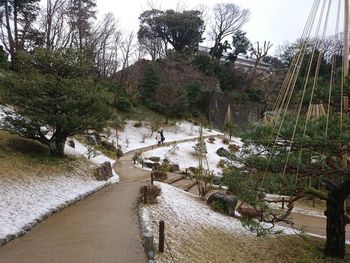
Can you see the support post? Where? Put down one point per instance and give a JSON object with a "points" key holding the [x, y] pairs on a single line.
{"points": [[161, 236], [152, 178], [282, 202]]}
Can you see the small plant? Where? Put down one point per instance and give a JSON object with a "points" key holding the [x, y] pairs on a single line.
{"points": [[91, 152], [200, 147], [143, 138], [173, 149], [119, 153], [138, 124], [233, 148], [211, 139], [225, 141], [127, 142]]}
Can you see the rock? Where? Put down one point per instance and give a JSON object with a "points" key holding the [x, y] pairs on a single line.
{"points": [[228, 201], [104, 172], [71, 143], [154, 159], [148, 163], [148, 241], [174, 167], [150, 255], [222, 152], [160, 176], [347, 205]]}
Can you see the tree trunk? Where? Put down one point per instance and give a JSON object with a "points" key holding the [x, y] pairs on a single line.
{"points": [[335, 243], [56, 146]]}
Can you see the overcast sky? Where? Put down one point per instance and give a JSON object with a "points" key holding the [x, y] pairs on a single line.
{"points": [[277, 21]]}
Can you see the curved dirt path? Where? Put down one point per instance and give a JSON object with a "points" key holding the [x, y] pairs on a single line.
{"points": [[102, 228]]}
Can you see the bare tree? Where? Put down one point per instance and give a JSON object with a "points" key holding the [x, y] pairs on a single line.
{"points": [[104, 42], [258, 52], [227, 19]]}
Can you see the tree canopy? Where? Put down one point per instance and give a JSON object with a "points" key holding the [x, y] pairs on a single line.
{"points": [[180, 29]]}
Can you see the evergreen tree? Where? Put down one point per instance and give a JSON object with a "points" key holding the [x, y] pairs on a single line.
{"points": [[310, 165], [52, 104]]}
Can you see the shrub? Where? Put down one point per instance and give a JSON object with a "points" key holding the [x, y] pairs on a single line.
{"points": [[211, 139], [119, 153], [138, 124], [225, 141], [149, 194], [233, 148]]}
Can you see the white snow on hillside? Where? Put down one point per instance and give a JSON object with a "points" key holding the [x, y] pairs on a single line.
{"points": [[132, 138], [184, 154]]}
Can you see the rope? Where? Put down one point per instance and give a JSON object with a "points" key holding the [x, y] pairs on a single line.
{"points": [[313, 86], [291, 77]]}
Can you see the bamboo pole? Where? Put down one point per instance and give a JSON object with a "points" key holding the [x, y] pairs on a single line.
{"points": [[346, 62]]}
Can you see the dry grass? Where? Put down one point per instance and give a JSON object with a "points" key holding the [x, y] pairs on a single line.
{"points": [[19, 156], [215, 246]]}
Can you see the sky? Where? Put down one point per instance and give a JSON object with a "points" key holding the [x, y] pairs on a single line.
{"points": [[277, 21]]}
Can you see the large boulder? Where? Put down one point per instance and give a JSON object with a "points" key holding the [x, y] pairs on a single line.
{"points": [[228, 201], [104, 172], [155, 159], [222, 152]]}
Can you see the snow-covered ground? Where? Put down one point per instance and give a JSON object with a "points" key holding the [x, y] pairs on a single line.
{"points": [[184, 154], [187, 218], [27, 199], [132, 137]]}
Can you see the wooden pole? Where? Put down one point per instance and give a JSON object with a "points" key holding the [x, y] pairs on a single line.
{"points": [[161, 236]]}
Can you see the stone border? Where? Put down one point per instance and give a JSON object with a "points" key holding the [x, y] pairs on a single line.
{"points": [[29, 226], [147, 236]]}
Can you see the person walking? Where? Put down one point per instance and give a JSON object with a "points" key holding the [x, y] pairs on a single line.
{"points": [[159, 138], [162, 138]]}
